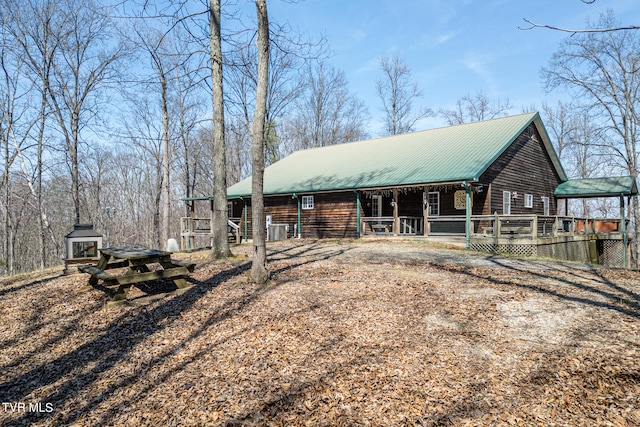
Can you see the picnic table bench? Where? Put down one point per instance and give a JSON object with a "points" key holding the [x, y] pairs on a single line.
{"points": [[136, 258]]}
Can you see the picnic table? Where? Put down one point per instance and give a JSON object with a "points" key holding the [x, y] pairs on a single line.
{"points": [[137, 258]]}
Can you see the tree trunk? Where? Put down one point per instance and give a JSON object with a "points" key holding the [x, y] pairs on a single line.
{"points": [[259, 272], [164, 229], [220, 242], [41, 216], [5, 208]]}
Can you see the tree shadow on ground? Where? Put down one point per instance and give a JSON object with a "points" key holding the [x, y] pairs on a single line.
{"points": [[77, 371], [618, 298], [8, 288]]}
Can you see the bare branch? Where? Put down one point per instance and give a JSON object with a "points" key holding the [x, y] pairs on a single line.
{"points": [[533, 25]]}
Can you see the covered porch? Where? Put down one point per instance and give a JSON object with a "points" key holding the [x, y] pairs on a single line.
{"points": [[430, 210], [459, 211]]}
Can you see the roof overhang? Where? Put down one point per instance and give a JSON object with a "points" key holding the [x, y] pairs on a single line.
{"points": [[597, 187], [303, 191]]}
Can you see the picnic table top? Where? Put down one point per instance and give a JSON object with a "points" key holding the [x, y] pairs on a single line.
{"points": [[133, 252]]}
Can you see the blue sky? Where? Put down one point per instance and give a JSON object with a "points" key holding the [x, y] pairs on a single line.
{"points": [[453, 47]]}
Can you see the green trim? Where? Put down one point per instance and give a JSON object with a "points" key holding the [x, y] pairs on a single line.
{"points": [[299, 216], [624, 231], [467, 193], [246, 222]]}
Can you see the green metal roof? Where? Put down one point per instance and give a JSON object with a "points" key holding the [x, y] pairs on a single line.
{"points": [[444, 155], [597, 187]]}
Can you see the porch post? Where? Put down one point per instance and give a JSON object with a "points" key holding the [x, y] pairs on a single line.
{"points": [[246, 221], [211, 222], [396, 222], [358, 225], [425, 212], [467, 190], [624, 232], [299, 217]]}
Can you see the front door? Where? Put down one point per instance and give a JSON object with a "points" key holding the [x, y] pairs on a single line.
{"points": [[376, 206]]}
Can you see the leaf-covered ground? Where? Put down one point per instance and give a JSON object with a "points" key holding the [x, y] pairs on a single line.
{"points": [[371, 333]]}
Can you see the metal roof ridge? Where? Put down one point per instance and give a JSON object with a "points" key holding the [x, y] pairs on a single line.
{"points": [[378, 138]]}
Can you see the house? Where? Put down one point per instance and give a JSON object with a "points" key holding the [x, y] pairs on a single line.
{"points": [[492, 179], [412, 184]]}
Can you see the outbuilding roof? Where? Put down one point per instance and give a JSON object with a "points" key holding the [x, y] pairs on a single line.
{"points": [[437, 156], [597, 187]]}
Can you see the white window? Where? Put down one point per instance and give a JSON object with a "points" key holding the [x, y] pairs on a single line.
{"points": [[528, 200], [230, 209], [545, 205], [307, 202], [506, 202], [434, 203]]}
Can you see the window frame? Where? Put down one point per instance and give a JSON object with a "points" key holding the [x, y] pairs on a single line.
{"points": [[376, 205], [546, 205], [230, 209], [436, 204], [506, 202], [307, 202], [528, 200]]}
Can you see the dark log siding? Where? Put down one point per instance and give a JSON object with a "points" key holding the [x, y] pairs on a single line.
{"points": [[333, 216], [525, 168], [283, 210]]}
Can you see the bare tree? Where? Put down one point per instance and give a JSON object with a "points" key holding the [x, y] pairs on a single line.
{"points": [[605, 28], [326, 113], [219, 228], [9, 75], [575, 140], [165, 62], [397, 92], [602, 71], [85, 64], [259, 272], [286, 57], [474, 108], [36, 30]]}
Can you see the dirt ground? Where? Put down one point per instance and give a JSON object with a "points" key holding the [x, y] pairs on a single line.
{"points": [[364, 333]]}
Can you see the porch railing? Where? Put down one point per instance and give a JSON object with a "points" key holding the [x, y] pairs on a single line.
{"points": [[202, 226], [384, 225], [541, 225], [492, 225]]}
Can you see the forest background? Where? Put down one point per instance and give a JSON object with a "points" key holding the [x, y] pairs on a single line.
{"points": [[105, 112]]}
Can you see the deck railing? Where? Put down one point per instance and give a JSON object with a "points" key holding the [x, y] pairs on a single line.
{"points": [[384, 225], [541, 225], [202, 226], [492, 225]]}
